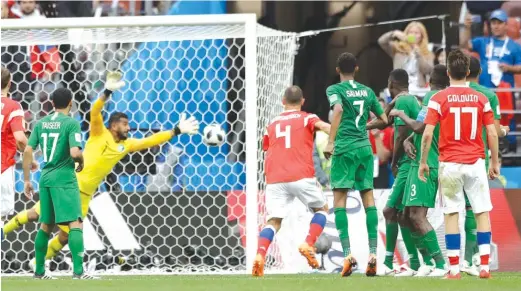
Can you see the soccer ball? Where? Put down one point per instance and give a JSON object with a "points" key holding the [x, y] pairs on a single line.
{"points": [[213, 135]]}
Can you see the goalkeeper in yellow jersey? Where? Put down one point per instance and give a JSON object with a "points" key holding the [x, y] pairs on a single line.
{"points": [[103, 150]]}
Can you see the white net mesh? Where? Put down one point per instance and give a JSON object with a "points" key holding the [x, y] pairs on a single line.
{"points": [[179, 206]]}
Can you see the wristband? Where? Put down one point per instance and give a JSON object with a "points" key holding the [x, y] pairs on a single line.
{"points": [[107, 92], [176, 130], [504, 132]]}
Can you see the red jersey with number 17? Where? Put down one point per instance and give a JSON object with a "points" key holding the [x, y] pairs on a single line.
{"points": [[288, 141], [462, 112], [11, 120]]}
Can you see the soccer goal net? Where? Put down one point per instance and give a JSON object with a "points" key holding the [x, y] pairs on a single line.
{"points": [[182, 206]]}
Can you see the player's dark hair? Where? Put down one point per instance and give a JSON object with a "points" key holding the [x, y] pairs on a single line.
{"points": [[61, 98], [458, 63], [399, 78], [293, 95], [439, 78], [6, 77], [346, 63], [116, 117], [474, 67]]}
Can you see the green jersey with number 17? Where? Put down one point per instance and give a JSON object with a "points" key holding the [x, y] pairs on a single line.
{"points": [[357, 101], [56, 134], [434, 153]]}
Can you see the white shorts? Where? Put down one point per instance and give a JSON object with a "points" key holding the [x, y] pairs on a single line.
{"points": [[279, 196], [7, 192], [473, 179]]}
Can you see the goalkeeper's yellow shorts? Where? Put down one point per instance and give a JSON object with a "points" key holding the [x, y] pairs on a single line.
{"points": [[84, 200]]}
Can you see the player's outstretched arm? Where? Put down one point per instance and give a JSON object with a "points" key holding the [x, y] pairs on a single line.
{"points": [[77, 156], [425, 148], [189, 126], [27, 161], [415, 125], [383, 120], [335, 123], [113, 83], [323, 126], [409, 148]]}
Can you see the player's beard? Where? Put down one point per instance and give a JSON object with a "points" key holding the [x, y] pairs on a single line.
{"points": [[123, 135]]}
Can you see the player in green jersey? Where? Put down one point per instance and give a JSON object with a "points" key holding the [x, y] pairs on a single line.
{"points": [[420, 196], [401, 163], [471, 246], [352, 155], [59, 137]]}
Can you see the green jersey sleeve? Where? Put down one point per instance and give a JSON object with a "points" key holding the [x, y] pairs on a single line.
{"points": [[34, 137], [333, 96], [74, 134], [376, 108], [494, 104]]}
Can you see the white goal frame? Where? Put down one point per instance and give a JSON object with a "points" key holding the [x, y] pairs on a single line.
{"points": [[77, 28]]}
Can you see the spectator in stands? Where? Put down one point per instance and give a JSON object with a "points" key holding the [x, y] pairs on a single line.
{"points": [[500, 56], [440, 56], [26, 9], [409, 50]]}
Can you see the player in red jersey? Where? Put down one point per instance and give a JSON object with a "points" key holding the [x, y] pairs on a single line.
{"points": [[13, 138], [290, 174], [462, 112]]}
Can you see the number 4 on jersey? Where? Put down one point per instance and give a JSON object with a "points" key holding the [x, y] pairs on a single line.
{"points": [[286, 134]]}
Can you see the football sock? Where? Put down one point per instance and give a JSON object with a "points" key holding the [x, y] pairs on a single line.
{"points": [[470, 236], [54, 248], [76, 246], [414, 261], [391, 234], [453, 242], [342, 227], [265, 238], [371, 222], [430, 241], [40, 247], [16, 222], [318, 222], [417, 238], [484, 249]]}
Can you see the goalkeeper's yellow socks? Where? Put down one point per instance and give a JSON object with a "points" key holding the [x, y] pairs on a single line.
{"points": [[417, 238], [391, 234], [40, 247], [371, 222], [414, 261], [471, 243], [342, 227], [16, 222], [55, 246], [76, 246]]}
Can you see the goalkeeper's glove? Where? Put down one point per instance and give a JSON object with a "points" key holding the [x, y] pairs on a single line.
{"points": [[113, 82], [189, 126]]}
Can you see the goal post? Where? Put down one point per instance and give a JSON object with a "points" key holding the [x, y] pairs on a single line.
{"points": [[222, 69]]}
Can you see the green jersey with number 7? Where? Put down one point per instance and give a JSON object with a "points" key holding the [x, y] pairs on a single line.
{"points": [[357, 101], [56, 134]]}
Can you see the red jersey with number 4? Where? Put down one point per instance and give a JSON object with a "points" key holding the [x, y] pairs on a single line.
{"points": [[462, 112], [11, 120], [289, 144]]}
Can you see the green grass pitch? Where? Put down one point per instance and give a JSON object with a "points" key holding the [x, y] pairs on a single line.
{"points": [[310, 282]]}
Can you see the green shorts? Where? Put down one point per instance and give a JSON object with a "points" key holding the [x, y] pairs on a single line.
{"points": [[419, 193], [353, 170], [395, 199], [59, 205]]}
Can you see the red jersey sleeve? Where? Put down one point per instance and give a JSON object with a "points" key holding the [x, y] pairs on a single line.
{"points": [[433, 113], [310, 120], [16, 119], [488, 115], [265, 141]]}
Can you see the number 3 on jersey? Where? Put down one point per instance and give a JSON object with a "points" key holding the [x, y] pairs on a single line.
{"points": [[286, 134]]}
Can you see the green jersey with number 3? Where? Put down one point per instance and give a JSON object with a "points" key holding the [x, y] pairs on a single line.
{"points": [[433, 156], [56, 134], [357, 101], [494, 104], [410, 105]]}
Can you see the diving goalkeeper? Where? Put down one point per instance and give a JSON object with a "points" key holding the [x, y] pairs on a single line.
{"points": [[103, 150]]}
